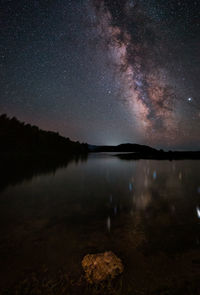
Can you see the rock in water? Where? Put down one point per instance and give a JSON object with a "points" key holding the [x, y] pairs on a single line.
{"points": [[102, 266]]}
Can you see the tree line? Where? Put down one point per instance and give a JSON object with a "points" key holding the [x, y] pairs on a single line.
{"points": [[19, 137]]}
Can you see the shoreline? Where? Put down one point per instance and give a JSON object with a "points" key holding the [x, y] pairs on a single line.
{"points": [[161, 156]]}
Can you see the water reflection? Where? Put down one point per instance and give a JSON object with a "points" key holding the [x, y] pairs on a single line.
{"points": [[147, 212], [108, 223], [16, 169], [198, 212], [154, 175], [130, 186]]}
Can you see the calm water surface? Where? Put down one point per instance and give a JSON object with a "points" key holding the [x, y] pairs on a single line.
{"points": [[147, 212]]}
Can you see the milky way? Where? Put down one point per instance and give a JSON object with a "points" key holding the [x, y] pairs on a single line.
{"points": [[137, 47], [104, 71]]}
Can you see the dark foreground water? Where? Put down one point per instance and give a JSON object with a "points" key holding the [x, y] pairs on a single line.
{"points": [[147, 212]]}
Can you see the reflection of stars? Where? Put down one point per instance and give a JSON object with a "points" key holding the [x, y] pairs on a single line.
{"points": [[132, 3], [198, 212]]}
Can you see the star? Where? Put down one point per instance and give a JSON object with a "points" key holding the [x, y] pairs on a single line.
{"points": [[134, 64]]}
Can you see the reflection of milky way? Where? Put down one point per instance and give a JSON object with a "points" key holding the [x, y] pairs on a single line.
{"points": [[134, 45]]}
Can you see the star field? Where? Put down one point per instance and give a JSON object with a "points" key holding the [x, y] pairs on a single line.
{"points": [[104, 72]]}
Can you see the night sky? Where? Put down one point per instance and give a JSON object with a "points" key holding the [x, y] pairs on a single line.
{"points": [[104, 71]]}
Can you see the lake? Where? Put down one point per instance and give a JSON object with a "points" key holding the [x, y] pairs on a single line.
{"points": [[146, 211]]}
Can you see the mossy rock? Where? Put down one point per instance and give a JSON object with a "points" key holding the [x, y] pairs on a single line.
{"points": [[101, 267]]}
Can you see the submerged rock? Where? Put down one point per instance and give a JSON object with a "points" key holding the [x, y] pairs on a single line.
{"points": [[102, 266]]}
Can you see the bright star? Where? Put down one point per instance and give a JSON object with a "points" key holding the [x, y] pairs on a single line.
{"points": [[189, 99]]}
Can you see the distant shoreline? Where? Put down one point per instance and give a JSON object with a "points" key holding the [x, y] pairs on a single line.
{"points": [[20, 140], [176, 155]]}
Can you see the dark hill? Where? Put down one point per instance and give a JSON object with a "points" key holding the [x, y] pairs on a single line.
{"points": [[126, 147], [20, 138], [131, 151]]}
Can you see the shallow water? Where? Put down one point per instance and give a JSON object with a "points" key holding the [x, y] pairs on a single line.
{"points": [[147, 212]]}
